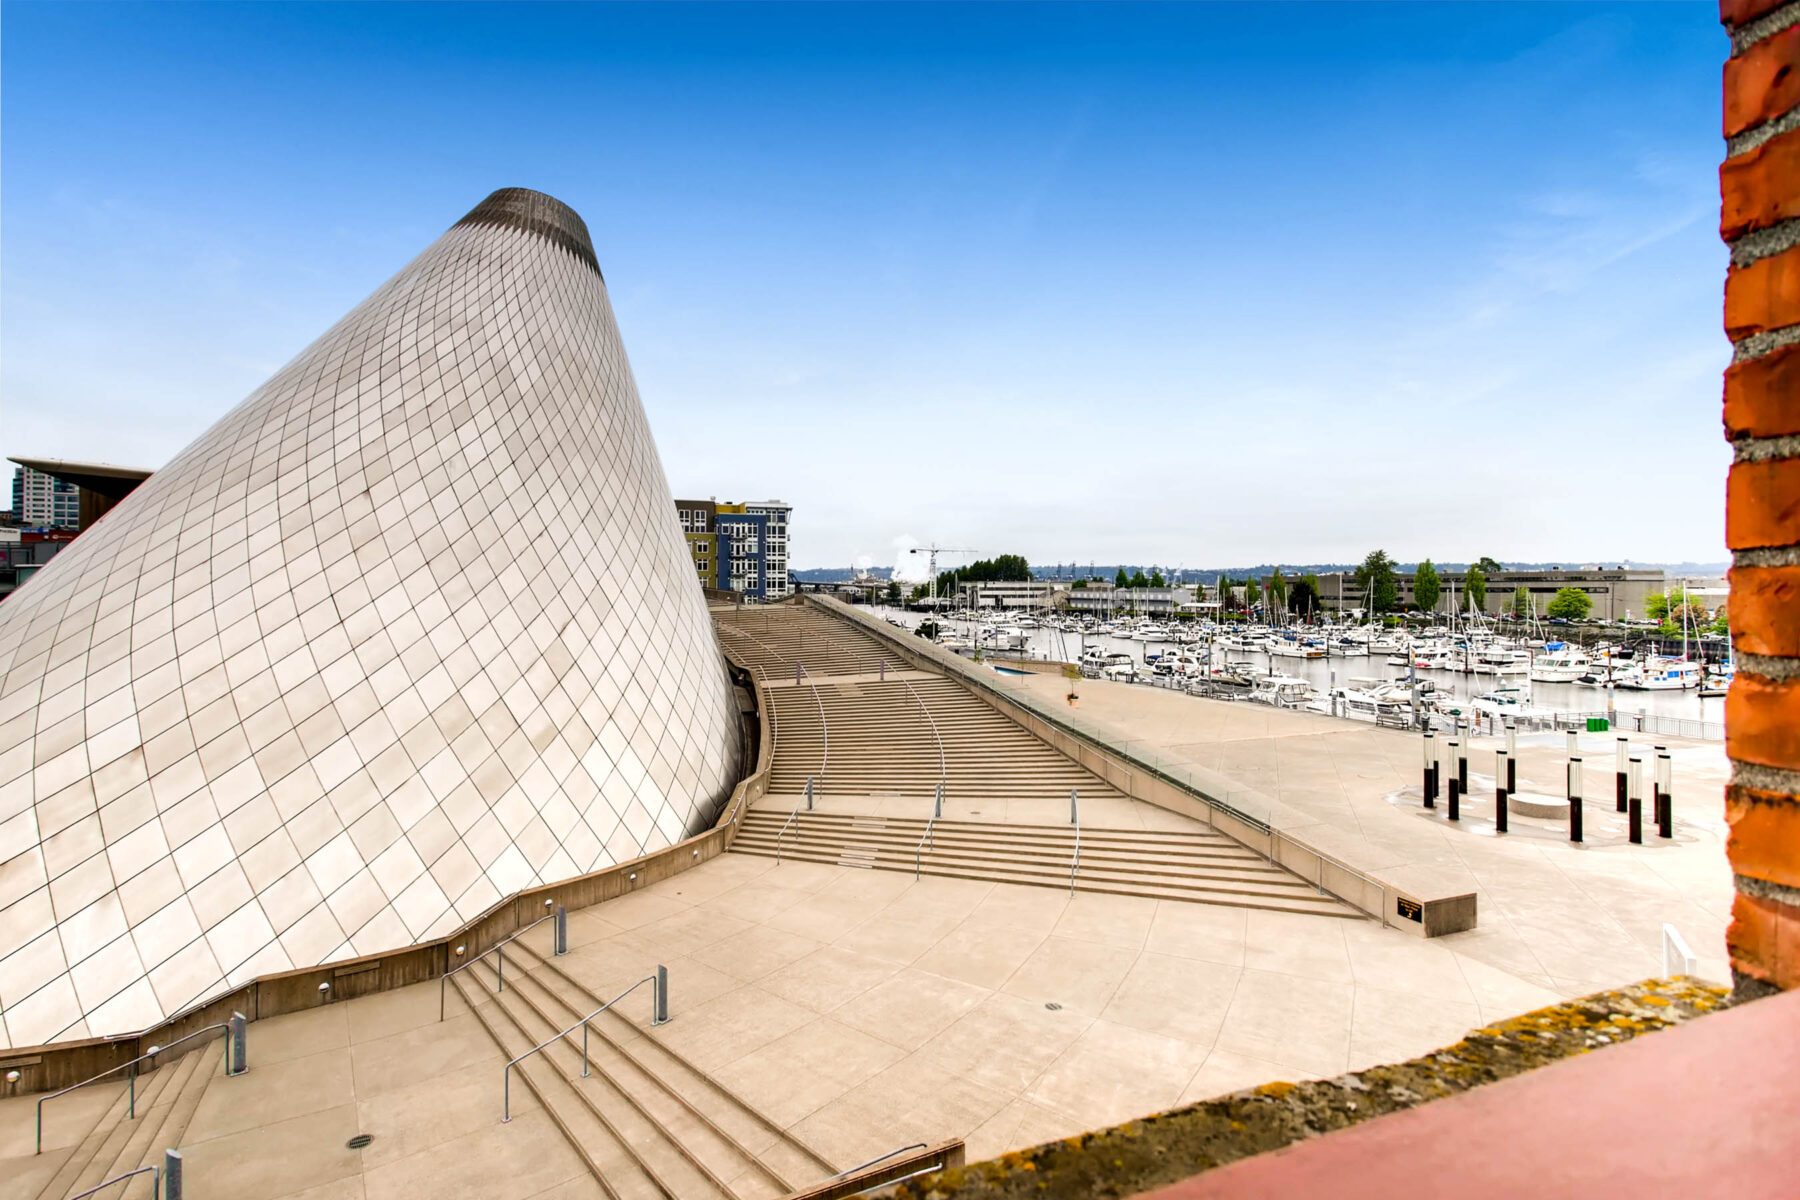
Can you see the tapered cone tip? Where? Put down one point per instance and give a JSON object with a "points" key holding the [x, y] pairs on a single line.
{"points": [[534, 212]]}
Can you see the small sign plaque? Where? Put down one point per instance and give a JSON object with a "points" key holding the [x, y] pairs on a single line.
{"points": [[1412, 910]]}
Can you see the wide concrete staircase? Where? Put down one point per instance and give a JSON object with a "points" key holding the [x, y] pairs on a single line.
{"points": [[871, 731], [775, 638], [645, 1120], [1197, 866], [869, 736], [166, 1100]]}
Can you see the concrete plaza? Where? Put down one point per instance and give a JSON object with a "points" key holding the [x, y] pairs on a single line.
{"points": [[1571, 919]]}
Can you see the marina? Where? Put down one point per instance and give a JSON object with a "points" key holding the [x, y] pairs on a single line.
{"points": [[1360, 672]]}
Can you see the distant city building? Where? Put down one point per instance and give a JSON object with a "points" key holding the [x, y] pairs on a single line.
{"points": [[775, 543], [1038, 593], [44, 501], [49, 493], [1617, 593], [1104, 599], [739, 547]]}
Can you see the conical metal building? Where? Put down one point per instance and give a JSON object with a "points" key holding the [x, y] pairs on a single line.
{"points": [[411, 628]]}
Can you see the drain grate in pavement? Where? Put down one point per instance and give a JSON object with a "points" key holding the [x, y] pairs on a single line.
{"points": [[360, 1140]]}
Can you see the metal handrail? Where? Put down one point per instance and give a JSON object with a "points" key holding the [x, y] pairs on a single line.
{"points": [[1075, 863], [884, 1158], [131, 1109], [928, 841], [793, 819], [943, 771], [824, 728], [1339, 863], [155, 1183], [774, 716], [501, 970], [658, 1015]]}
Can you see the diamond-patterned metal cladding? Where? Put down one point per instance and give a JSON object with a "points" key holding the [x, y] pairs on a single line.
{"points": [[411, 628]]}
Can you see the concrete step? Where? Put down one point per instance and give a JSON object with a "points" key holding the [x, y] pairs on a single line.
{"points": [[975, 858], [758, 1147], [607, 1154], [160, 1126], [1249, 870], [1172, 849], [622, 1099], [78, 1158], [109, 1138], [1312, 905]]}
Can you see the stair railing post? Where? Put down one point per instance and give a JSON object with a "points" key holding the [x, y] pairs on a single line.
{"points": [[1074, 806], [500, 966], [171, 1175], [561, 928], [661, 1016], [239, 1042], [584, 1049], [809, 793]]}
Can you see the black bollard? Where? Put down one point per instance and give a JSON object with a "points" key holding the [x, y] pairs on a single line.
{"points": [[1501, 774], [1462, 771], [1665, 813], [1512, 758], [1455, 813], [1430, 782], [1635, 803], [1574, 787], [1624, 747]]}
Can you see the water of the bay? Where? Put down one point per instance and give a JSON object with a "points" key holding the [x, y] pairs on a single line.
{"points": [[1057, 645]]}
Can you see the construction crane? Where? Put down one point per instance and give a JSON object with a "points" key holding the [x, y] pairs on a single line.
{"points": [[934, 550]]}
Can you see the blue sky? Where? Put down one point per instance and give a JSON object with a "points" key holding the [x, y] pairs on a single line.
{"points": [[1193, 285]]}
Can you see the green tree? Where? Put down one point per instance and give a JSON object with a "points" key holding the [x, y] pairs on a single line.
{"points": [[1251, 594], [1123, 580], [893, 592], [1078, 586], [1427, 587], [1156, 579], [1475, 588], [1657, 605], [1222, 590], [1375, 579], [1303, 596], [1521, 602], [1570, 604], [1488, 566], [1138, 580], [1278, 590]]}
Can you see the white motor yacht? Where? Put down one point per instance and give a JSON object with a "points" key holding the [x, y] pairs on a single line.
{"points": [[1560, 663], [1663, 675]]}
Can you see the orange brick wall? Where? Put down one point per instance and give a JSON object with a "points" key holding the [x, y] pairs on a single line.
{"points": [[1759, 218]]}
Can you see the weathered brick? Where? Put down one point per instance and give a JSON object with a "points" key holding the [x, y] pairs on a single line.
{"points": [[1763, 82], [1765, 834], [1764, 295], [1765, 610], [1762, 504], [1762, 396], [1760, 188], [1764, 940], [1762, 721], [1733, 13]]}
